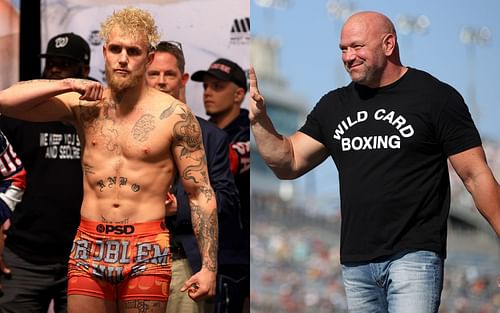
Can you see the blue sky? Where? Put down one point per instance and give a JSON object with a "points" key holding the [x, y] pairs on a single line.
{"points": [[309, 57]]}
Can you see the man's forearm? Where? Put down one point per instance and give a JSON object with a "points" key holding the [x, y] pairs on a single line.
{"points": [[486, 194], [27, 94], [206, 230], [274, 148]]}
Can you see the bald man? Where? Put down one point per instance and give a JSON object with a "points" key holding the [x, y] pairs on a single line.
{"points": [[390, 133]]}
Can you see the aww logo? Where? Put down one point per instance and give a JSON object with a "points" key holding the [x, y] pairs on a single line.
{"points": [[115, 229]]}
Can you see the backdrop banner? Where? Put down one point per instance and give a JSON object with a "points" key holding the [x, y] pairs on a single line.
{"points": [[207, 29]]}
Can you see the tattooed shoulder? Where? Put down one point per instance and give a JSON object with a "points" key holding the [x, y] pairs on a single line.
{"points": [[166, 113], [187, 133]]}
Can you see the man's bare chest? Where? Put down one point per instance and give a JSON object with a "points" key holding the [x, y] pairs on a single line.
{"points": [[135, 135]]}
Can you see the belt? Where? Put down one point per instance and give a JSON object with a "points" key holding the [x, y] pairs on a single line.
{"points": [[177, 253]]}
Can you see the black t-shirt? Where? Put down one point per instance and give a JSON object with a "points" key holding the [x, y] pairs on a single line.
{"points": [[45, 221], [390, 146]]}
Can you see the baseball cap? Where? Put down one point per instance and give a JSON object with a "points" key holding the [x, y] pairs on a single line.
{"points": [[226, 70], [68, 45]]}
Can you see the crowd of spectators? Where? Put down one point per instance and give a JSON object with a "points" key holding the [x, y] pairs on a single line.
{"points": [[295, 265]]}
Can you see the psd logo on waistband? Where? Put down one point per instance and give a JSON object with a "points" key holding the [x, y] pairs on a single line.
{"points": [[115, 229]]}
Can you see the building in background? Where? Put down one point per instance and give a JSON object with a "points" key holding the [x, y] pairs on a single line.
{"points": [[286, 108]]}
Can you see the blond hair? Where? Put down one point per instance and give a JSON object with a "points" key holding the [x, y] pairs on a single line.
{"points": [[134, 22]]}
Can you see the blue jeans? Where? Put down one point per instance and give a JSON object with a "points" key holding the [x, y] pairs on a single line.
{"points": [[409, 282]]}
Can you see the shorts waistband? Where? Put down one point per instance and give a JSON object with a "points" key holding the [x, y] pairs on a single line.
{"points": [[122, 229]]}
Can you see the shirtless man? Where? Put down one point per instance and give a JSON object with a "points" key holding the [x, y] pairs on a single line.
{"points": [[134, 138]]}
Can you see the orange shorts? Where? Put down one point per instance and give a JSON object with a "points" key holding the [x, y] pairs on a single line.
{"points": [[120, 261]]}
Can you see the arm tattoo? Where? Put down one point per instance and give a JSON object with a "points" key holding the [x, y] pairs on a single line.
{"points": [[207, 192], [187, 133], [187, 174], [206, 231], [143, 127], [34, 81]]}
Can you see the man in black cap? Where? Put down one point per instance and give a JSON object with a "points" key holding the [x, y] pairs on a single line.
{"points": [[67, 55], [225, 86], [44, 224]]}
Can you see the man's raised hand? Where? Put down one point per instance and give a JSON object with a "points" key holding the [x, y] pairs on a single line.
{"points": [[257, 106], [89, 90]]}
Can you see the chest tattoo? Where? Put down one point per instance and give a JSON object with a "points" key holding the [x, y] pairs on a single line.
{"points": [[143, 127]]}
